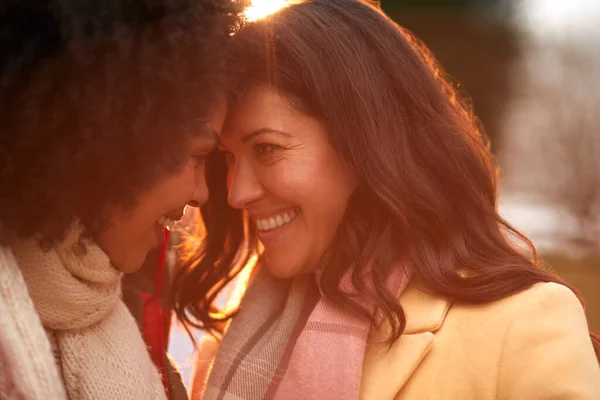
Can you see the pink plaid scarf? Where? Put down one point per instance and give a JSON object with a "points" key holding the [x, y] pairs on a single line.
{"points": [[288, 342]]}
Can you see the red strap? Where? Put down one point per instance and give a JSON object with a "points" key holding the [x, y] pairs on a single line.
{"points": [[162, 264], [154, 317]]}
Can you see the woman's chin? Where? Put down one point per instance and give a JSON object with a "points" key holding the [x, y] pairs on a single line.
{"points": [[132, 262], [284, 269]]}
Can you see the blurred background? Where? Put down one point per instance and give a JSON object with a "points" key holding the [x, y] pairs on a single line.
{"points": [[532, 71]]}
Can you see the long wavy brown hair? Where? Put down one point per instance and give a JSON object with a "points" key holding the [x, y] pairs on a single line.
{"points": [[427, 180]]}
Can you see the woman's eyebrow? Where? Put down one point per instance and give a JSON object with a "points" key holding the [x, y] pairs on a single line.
{"points": [[260, 131], [214, 134]]}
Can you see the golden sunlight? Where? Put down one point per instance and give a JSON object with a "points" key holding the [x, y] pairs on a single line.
{"points": [[261, 8]]}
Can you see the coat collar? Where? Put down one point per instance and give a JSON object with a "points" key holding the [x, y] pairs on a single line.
{"points": [[425, 311], [387, 369]]}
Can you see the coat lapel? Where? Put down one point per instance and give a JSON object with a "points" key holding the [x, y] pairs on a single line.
{"points": [[387, 369]]}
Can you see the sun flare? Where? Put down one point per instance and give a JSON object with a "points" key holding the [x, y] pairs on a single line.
{"points": [[261, 8]]}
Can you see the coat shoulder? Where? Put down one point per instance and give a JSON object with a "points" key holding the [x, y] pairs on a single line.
{"points": [[547, 294], [509, 348], [547, 348], [542, 299]]}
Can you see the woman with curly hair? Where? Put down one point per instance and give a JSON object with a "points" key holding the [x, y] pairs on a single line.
{"points": [[362, 185], [107, 110]]}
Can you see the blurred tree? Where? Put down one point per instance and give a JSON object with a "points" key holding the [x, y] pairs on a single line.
{"points": [[475, 44], [566, 98], [552, 154]]}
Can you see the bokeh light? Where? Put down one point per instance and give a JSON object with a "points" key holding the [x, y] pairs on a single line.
{"points": [[261, 8]]}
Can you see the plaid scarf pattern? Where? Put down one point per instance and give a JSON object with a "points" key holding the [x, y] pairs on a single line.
{"points": [[289, 342]]}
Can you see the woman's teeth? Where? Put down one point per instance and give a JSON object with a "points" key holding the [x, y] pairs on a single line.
{"points": [[166, 222], [276, 221]]}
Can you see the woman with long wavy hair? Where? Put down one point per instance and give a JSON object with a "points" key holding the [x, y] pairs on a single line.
{"points": [[363, 189]]}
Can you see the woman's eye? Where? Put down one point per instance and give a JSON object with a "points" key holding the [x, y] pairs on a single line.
{"points": [[263, 151], [200, 159], [229, 158]]}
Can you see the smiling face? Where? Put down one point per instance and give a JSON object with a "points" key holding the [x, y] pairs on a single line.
{"points": [[133, 233], [286, 175]]}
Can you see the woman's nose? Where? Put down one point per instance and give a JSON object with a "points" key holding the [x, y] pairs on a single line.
{"points": [[243, 184], [200, 193]]}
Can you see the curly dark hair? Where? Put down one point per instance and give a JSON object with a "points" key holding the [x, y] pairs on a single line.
{"points": [[97, 100]]}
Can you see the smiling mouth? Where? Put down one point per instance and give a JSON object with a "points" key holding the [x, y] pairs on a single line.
{"points": [[276, 221], [167, 222]]}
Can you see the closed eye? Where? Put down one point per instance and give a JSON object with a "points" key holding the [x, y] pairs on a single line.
{"points": [[200, 159]]}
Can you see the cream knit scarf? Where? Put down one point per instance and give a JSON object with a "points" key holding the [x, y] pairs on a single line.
{"points": [[76, 295]]}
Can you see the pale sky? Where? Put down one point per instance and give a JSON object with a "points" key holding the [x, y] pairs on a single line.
{"points": [[560, 19]]}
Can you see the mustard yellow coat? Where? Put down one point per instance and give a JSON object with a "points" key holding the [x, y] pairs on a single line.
{"points": [[531, 346]]}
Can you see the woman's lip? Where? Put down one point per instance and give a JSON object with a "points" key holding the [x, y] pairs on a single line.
{"points": [[269, 214], [160, 233], [270, 233], [175, 216], [275, 232]]}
